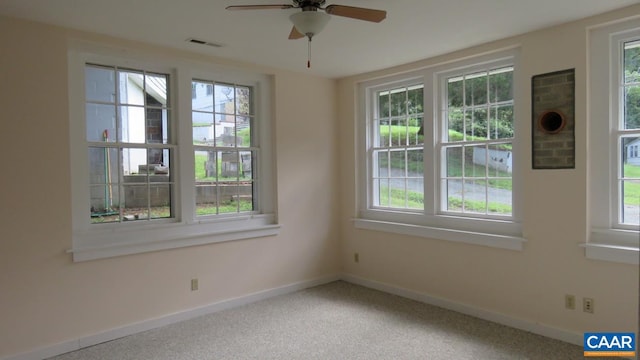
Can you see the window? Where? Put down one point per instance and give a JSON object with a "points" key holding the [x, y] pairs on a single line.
{"points": [[439, 149], [128, 132], [397, 151], [476, 142], [155, 171], [615, 167], [223, 149]]}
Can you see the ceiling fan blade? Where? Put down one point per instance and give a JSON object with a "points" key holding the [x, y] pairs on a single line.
{"points": [[258, 7], [356, 13], [295, 34]]}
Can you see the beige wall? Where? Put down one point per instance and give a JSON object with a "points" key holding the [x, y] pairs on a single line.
{"points": [[529, 285], [46, 299]]}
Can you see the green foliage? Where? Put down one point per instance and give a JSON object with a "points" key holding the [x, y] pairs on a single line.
{"points": [[479, 105], [632, 97]]}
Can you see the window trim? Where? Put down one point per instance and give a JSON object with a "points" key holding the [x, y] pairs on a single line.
{"points": [[95, 241], [486, 231], [606, 241]]}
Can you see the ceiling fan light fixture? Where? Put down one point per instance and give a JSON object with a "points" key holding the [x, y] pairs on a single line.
{"points": [[309, 23]]}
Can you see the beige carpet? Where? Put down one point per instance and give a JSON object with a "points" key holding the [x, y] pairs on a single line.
{"points": [[333, 321]]}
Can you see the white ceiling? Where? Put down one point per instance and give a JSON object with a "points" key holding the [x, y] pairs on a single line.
{"points": [[413, 29]]}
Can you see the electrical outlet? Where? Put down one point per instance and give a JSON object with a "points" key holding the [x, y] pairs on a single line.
{"points": [[194, 284], [587, 305], [570, 302], [356, 257]]}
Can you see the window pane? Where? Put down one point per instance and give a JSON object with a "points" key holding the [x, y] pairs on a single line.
{"points": [[475, 161], [476, 124], [131, 87], [383, 104], [246, 165], [243, 131], [415, 99], [160, 197], [630, 213], [415, 193], [158, 163], [630, 194], [101, 122], [381, 170], [475, 196], [501, 122], [134, 162], [632, 62], [452, 190], [157, 126], [229, 165], [454, 161], [136, 204], [104, 203], [203, 129], [206, 166], [416, 131], [133, 124], [398, 102], [224, 99], [455, 92], [100, 84], [243, 100], [398, 165], [383, 131], [415, 163], [501, 85], [475, 89], [382, 187], [156, 90], [632, 107], [103, 172], [455, 124], [206, 198], [500, 196], [203, 100], [398, 132], [500, 160]]}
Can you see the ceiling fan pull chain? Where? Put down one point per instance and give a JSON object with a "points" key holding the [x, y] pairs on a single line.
{"points": [[309, 53]]}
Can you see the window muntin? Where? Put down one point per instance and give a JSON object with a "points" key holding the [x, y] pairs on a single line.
{"points": [[225, 150], [127, 122], [628, 136], [476, 143], [397, 151]]}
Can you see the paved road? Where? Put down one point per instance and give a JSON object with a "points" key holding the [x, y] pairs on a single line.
{"points": [[477, 192], [471, 191]]}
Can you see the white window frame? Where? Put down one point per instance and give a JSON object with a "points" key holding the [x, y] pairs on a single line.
{"points": [[504, 232], [95, 241], [608, 240]]}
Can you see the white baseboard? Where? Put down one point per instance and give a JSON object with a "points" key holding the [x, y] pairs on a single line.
{"points": [[532, 327], [130, 329]]}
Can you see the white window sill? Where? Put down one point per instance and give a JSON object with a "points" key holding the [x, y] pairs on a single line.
{"points": [[462, 236], [91, 245], [613, 245]]}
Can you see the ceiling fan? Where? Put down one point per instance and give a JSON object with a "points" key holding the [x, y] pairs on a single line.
{"points": [[309, 22]]}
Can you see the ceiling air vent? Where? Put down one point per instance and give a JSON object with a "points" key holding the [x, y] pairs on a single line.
{"points": [[202, 42]]}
